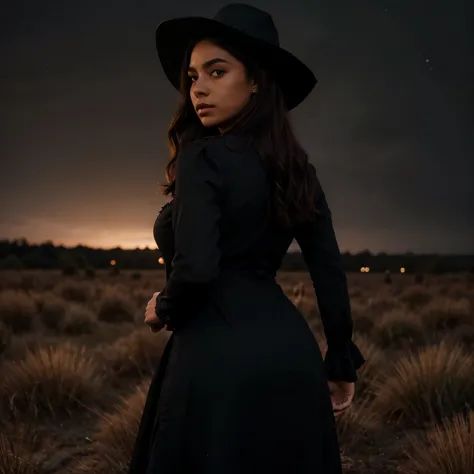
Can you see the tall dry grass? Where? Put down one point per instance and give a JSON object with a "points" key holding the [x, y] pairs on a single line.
{"points": [[78, 319], [50, 381], [114, 435], [75, 290], [17, 311], [446, 449], [21, 454], [135, 355], [417, 339], [444, 313], [398, 328], [355, 425], [424, 387], [115, 306], [116, 431]]}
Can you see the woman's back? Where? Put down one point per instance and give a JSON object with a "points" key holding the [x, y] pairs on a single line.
{"points": [[242, 385], [247, 237]]}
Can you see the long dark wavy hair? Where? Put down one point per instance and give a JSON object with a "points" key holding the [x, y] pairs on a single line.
{"points": [[294, 184]]}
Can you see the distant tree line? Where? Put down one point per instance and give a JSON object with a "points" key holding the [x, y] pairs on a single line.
{"points": [[409, 262], [19, 254]]}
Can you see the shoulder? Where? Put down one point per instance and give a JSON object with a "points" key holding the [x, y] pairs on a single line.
{"points": [[229, 143], [198, 162], [214, 151]]}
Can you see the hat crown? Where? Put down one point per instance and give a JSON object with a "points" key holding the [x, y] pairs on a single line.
{"points": [[243, 24], [249, 20]]}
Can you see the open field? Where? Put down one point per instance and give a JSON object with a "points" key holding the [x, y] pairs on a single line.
{"points": [[76, 360]]}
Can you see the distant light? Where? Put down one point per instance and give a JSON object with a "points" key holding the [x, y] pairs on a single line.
{"points": [[161, 260], [362, 269], [113, 262], [427, 60], [402, 270], [367, 269]]}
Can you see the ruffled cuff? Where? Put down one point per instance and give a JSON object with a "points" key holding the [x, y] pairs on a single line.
{"points": [[342, 362], [164, 310], [179, 302]]}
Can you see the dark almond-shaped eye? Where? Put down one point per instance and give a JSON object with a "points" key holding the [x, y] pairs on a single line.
{"points": [[219, 71]]}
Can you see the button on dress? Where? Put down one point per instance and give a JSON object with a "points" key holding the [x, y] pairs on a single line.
{"points": [[242, 385]]}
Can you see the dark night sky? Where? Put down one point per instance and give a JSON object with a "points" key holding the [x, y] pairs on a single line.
{"points": [[85, 109]]}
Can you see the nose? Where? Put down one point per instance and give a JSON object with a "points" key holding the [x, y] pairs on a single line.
{"points": [[200, 89]]}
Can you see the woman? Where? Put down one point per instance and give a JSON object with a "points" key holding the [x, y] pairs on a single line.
{"points": [[242, 386]]}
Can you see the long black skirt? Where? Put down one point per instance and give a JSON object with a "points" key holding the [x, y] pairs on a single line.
{"points": [[240, 388]]}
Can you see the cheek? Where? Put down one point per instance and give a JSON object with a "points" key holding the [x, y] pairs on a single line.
{"points": [[234, 96]]}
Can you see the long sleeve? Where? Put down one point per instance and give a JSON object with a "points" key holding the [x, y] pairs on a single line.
{"points": [[321, 253], [196, 214]]}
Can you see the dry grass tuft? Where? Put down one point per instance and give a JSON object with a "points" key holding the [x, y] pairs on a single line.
{"points": [[354, 425], [398, 328], [52, 310], [135, 355], [78, 320], [425, 387], [115, 307], [363, 322], [141, 297], [415, 296], [461, 289], [77, 291], [374, 368], [462, 335], [447, 313], [50, 381], [448, 449], [116, 432], [381, 304], [17, 455], [17, 310]]}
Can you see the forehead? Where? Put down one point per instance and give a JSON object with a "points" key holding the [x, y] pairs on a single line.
{"points": [[206, 50]]}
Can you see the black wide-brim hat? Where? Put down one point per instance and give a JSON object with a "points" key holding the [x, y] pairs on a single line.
{"points": [[250, 28]]}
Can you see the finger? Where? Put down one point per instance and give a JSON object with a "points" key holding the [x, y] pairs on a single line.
{"points": [[338, 408], [337, 401], [340, 403], [342, 407], [342, 398]]}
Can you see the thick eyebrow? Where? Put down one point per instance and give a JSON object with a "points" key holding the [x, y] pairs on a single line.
{"points": [[209, 63]]}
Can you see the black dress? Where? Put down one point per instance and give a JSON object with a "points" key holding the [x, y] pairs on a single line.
{"points": [[241, 386]]}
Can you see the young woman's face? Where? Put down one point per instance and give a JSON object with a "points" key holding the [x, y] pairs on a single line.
{"points": [[220, 81]]}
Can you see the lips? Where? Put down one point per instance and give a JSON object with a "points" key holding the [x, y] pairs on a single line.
{"points": [[203, 107]]}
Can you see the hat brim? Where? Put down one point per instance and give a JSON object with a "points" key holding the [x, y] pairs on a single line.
{"points": [[174, 36]]}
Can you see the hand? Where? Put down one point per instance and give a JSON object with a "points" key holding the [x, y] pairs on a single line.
{"points": [[154, 323], [342, 394]]}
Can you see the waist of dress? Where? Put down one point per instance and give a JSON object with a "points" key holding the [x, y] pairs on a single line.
{"points": [[246, 268]]}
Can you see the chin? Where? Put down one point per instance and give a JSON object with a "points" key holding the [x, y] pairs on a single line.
{"points": [[209, 122]]}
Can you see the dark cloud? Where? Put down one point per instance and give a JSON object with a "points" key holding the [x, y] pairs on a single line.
{"points": [[389, 125]]}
